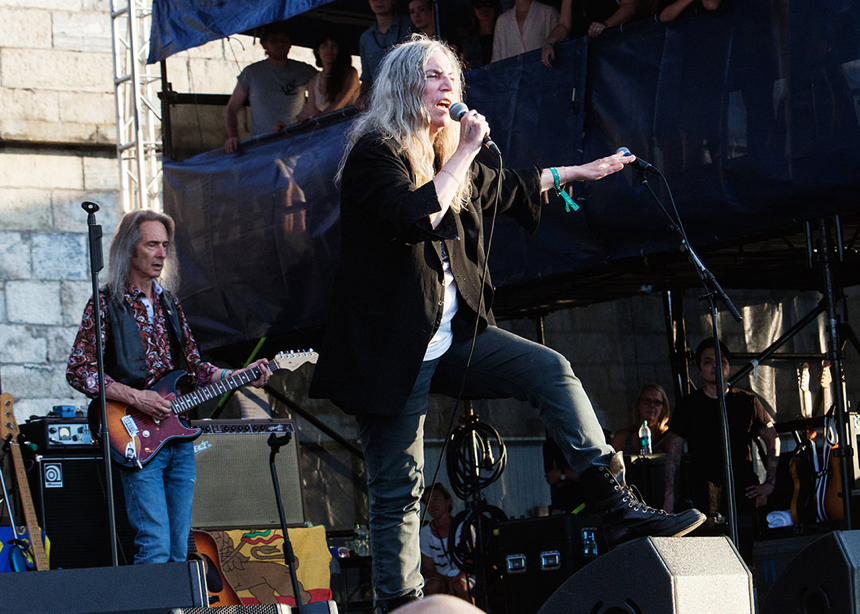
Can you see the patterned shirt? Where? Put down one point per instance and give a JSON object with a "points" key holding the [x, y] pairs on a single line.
{"points": [[82, 370]]}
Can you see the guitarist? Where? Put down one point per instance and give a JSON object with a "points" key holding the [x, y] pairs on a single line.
{"points": [[145, 336]]}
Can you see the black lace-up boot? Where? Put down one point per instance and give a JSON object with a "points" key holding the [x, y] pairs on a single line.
{"points": [[625, 515]]}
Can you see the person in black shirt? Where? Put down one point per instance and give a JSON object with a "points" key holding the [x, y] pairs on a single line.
{"points": [[696, 421], [412, 293]]}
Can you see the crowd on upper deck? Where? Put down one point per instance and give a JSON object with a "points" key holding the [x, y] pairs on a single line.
{"points": [[283, 91]]}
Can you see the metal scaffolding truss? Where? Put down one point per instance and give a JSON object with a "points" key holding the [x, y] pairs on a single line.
{"points": [[138, 118]]}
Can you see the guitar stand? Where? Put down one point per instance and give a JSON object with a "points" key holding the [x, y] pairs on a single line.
{"points": [[320, 607], [17, 547]]}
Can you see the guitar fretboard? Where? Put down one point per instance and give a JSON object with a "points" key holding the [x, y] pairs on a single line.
{"points": [[200, 395]]}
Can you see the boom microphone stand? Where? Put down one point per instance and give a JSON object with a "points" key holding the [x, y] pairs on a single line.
{"points": [[96, 265], [713, 291]]}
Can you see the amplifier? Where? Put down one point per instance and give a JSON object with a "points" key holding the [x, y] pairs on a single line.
{"points": [[234, 488], [70, 497], [538, 554], [55, 435]]}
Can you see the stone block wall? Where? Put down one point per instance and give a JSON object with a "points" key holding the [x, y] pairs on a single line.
{"points": [[57, 133], [44, 266]]}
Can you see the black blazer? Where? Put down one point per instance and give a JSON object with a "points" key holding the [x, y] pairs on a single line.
{"points": [[387, 299]]}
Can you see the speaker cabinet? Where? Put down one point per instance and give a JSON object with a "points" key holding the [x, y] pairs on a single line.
{"points": [[70, 496], [678, 575], [138, 589], [234, 487], [538, 554], [822, 578]]}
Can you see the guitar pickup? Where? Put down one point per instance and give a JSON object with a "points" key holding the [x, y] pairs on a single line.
{"points": [[130, 425]]}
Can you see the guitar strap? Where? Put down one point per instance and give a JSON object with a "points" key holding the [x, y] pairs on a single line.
{"points": [[830, 440], [174, 331]]}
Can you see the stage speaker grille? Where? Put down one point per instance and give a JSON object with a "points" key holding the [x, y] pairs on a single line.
{"points": [[823, 578], [670, 575], [234, 487], [71, 502], [320, 607]]}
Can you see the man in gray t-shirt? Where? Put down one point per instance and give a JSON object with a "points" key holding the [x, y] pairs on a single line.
{"points": [[388, 29], [276, 87]]}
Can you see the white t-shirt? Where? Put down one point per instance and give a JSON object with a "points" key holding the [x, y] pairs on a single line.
{"points": [[508, 41], [436, 549], [443, 338]]}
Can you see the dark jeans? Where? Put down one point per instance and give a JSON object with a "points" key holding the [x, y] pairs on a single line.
{"points": [[503, 365]]}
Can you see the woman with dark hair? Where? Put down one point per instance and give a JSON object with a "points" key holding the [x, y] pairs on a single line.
{"points": [[652, 406], [478, 45], [337, 85]]}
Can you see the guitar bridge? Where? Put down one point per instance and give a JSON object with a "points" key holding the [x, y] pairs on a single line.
{"points": [[130, 425]]}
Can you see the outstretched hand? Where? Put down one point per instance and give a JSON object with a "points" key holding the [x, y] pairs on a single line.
{"points": [[600, 168]]}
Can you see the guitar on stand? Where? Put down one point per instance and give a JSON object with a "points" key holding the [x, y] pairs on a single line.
{"points": [[804, 464], [136, 437], [9, 433], [829, 490], [201, 546]]}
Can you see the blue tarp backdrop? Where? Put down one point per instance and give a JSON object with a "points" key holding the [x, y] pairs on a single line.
{"points": [[178, 25], [751, 112]]}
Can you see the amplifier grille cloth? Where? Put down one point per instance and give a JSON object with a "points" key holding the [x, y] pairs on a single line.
{"points": [[234, 480]]}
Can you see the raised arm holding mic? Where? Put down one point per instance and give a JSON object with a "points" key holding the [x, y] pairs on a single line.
{"points": [[411, 290]]}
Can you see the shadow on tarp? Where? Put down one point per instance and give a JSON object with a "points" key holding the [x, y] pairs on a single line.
{"points": [[751, 113]]}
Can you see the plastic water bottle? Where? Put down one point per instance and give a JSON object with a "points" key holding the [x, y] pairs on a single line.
{"points": [[361, 545], [644, 438]]}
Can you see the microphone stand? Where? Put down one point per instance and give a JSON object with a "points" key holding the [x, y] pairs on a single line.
{"points": [[96, 265], [713, 290], [320, 607]]}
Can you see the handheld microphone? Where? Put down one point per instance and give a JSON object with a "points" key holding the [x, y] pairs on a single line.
{"points": [[458, 110], [639, 164]]}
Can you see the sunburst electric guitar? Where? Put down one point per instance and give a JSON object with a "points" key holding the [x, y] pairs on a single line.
{"points": [[136, 437]]}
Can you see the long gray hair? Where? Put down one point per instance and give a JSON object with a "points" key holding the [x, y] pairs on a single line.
{"points": [[124, 244], [397, 113]]}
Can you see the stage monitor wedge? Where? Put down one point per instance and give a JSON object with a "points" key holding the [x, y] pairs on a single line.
{"points": [[669, 575], [824, 578]]}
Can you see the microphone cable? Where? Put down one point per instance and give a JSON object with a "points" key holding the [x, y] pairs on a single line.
{"points": [[456, 406]]}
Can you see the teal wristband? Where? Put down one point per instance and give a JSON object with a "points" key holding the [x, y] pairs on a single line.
{"points": [[569, 204]]}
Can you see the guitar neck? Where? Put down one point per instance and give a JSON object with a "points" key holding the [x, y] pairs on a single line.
{"points": [[36, 546], [201, 395]]}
